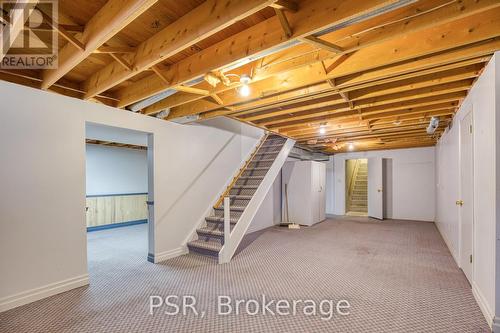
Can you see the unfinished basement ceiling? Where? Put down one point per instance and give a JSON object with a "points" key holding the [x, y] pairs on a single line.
{"points": [[331, 74]]}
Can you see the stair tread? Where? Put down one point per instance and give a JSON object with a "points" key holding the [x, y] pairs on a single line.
{"points": [[232, 208], [248, 187], [232, 220], [237, 196], [210, 231], [263, 160], [206, 245], [251, 177]]}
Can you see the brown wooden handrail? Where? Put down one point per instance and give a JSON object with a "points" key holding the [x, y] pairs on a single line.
{"points": [[242, 169]]}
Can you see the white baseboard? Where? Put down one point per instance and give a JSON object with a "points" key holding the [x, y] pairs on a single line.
{"points": [[162, 256], [448, 243], [485, 309], [13, 301]]}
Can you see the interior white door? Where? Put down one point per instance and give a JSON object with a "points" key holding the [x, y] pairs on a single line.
{"points": [[375, 188], [315, 189], [321, 190], [466, 200]]}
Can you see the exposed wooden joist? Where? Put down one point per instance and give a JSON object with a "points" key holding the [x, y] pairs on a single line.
{"points": [[192, 90], [205, 20], [312, 16], [111, 18], [460, 32], [415, 21], [115, 144]]}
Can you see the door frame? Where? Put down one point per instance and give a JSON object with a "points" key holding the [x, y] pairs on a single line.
{"points": [[460, 193], [151, 176], [379, 187]]}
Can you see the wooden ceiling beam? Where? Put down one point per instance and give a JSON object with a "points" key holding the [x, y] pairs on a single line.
{"points": [[350, 129], [326, 105], [192, 90], [456, 73], [372, 115], [111, 18], [313, 119], [404, 68], [364, 63], [312, 16], [205, 20]]}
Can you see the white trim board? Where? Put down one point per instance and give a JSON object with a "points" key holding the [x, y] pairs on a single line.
{"points": [[162, 256], [483, 305], [36, 294]]}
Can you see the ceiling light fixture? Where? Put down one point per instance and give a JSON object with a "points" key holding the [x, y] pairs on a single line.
{"points": [[322, 129], [351, 146], [244, 89]]}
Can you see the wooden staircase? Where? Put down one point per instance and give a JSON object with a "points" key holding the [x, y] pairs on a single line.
{"points": [[240, 191], [358, 199]]}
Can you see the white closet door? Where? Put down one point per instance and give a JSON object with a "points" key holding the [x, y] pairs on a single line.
{"points": [[375, 188], [315, 193], [466, 200], [322, 197]]}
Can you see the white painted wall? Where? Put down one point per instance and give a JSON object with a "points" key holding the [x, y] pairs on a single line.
{"points": [[42, 208], [483, 99], [269, 213], [113, 170], [410, 190]]}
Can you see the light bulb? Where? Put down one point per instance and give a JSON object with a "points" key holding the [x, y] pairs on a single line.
{"points": [[351, 146], [244, 90], [322, 130]]}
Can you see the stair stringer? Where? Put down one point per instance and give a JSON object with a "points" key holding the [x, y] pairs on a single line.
{"points": [[228, 249]]}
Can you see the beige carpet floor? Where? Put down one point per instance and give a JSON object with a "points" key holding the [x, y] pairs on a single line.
{"points": [[398, 276]]}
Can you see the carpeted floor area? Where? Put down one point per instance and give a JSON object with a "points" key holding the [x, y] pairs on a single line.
{"points": [[398, 276]]}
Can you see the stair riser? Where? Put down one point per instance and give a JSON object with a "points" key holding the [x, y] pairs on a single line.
{"points": [[253, 182], [215, 238], [251, 172], [261, 164], [218, 225], [266, 153], [219, 213], [241, 192], [205, 252]]}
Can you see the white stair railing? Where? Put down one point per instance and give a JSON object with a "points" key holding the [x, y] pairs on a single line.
{"points": [[233, 238]]}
